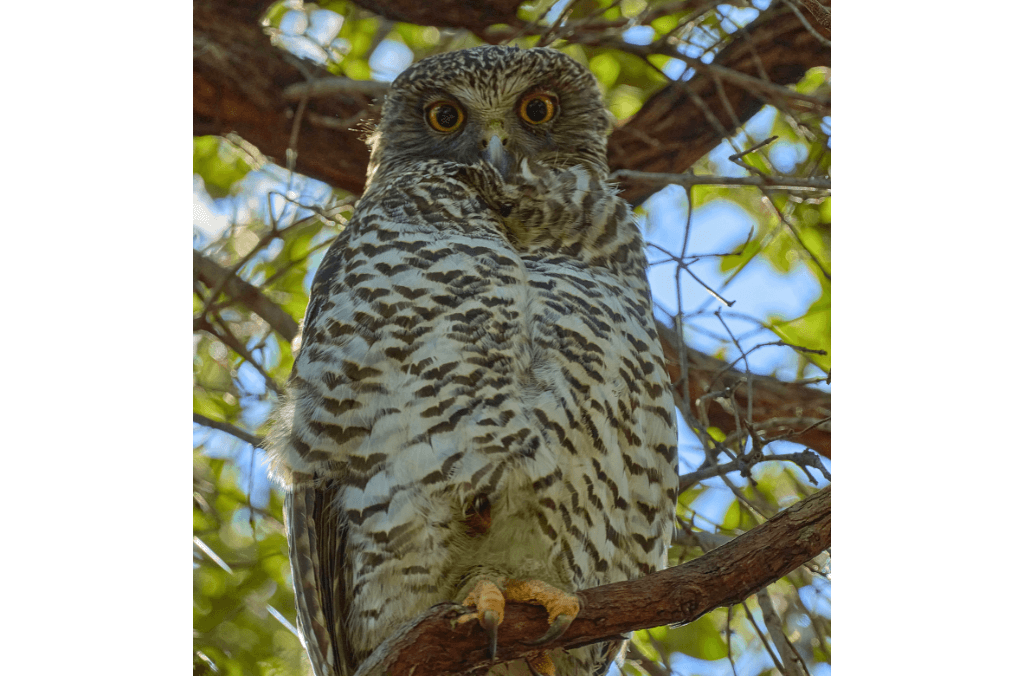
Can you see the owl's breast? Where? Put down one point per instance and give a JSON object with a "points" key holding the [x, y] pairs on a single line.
{"points": [[444, 365]]}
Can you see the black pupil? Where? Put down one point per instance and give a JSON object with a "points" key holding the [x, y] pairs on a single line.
{"points": [[446, 116], [536, 110]]}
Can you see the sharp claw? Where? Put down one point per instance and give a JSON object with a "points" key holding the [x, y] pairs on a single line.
{"points": [[489, 621], [556, 629], [533, 671]]}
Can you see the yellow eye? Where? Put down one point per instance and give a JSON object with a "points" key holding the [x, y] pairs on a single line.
{"points": [[538, 108], [445, 116]]}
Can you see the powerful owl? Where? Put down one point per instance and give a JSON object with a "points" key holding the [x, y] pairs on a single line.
{"points": [[479, 410]]}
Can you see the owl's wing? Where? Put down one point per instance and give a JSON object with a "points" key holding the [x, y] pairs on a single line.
{"points": [[316, 532]]}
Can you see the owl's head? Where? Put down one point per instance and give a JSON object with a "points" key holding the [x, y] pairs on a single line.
{"points": [[494, 103]]}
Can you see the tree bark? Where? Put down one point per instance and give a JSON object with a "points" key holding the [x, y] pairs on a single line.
{"points": [[474, 16], [432, 645]]}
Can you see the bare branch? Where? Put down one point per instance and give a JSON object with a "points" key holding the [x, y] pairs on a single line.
{"points": [[744, 463], [651, 667], [248, 438], [791, 660], [213, 275], [474, 16], [687, 180]]}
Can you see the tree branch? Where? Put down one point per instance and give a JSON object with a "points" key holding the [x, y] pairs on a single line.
{"points": [[431, 645], [212, 275], [251, 439], [474, 16], [687, 180]]}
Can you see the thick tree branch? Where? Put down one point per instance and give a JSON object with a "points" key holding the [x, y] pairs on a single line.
{"points": [[431, 645], [475, 16], [213, 275]]}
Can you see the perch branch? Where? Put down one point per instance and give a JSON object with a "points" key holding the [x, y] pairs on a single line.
{"points": [[431, 645]]}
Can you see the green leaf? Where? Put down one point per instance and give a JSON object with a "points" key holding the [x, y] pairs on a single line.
{"points": [[220, 164], [813, 330], [813, 80], [606, 67], [664, 24], [624, 101], [701, 639]]}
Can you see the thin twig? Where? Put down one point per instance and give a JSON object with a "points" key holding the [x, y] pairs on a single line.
{"points": [[743, 464], [807, 24], [248, 438], [738, 157], [649, 665], [688, 180], [773, 623], [796, 236], [764, 641]]}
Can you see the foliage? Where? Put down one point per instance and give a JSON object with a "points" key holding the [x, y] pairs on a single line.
{"points": [[771, 255]]}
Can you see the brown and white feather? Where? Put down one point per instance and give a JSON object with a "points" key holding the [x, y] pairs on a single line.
{"points": [[476, 338]]}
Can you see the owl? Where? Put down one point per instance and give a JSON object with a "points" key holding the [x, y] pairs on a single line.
{"points": [[479, 410]]}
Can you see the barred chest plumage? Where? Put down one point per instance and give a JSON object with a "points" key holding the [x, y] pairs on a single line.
{"points": [[480, 395]]}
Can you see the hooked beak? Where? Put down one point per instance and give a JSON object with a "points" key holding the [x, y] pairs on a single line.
{"points": [[499, 158]]}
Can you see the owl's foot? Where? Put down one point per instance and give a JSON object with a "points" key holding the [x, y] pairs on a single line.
{"points": [[489, 601], [562, 607], [486, 597]]}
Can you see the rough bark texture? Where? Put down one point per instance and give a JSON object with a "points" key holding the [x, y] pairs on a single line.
{"points": [[433, 645], [475, 16]]}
